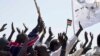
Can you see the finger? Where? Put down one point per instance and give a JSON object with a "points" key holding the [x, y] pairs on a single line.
{"points": [[4, 25], [80, 25], [24, 25], [12, 25], [18, 30]]}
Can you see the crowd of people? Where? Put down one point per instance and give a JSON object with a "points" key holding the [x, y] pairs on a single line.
{"points": [[32, 44]]}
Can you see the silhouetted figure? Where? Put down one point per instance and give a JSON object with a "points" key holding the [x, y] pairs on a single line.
{"points": [[47, 42], [88, 47], [41, 51]]}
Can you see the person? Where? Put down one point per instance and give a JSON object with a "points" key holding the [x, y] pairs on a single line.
{"points": [[54, 47], [72, 41], [96, 50], [63, 41], [74, 47], [50, 37], [88, 47], [12, 32], [41, 50], [82, 46]]}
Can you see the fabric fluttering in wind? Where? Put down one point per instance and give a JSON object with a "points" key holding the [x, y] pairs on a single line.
{"points": [[69, 22], [88, 13]]}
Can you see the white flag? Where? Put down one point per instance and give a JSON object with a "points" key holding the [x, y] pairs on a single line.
{"points": [[87, 12]]}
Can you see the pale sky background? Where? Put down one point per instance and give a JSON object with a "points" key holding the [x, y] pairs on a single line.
{"points": [[54, 13]]}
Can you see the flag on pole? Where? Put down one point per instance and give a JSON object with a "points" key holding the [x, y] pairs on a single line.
{"points": [[87, 12], [69, 22]]}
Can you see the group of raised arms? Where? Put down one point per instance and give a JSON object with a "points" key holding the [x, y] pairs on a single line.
{"points": [[33, 44]]}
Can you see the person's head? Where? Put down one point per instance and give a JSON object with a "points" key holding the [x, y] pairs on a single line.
{"points": [[41, 50], [3, 44], [21, 38], [98, 40], [54, 45]]}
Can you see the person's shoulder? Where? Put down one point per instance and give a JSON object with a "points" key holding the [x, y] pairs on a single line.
{"points": [[56, 53], [91, 52]]}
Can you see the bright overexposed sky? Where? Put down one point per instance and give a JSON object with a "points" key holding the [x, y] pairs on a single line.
{"points": [[54, 13]]}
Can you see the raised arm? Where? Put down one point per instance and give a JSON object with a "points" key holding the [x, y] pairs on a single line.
{"points": [[43, 35], [63, 42], [12, 32], [86, 39], [26, 29], [74, 48], [84, 45], [89, 45], [79, 31], [3, 27], [50, 37]]}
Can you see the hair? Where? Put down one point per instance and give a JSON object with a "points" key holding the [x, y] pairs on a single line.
{"points": [[3, 44], [41, 50], [54, 45], [21, 38], [98, 40]]}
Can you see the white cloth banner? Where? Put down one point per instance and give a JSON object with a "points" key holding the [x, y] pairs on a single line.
{"points": [[86, 11], [70, 45]]}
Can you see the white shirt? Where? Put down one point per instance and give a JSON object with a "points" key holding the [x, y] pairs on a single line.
{"points": [[94, 52], [56, 53], [77, 53]]}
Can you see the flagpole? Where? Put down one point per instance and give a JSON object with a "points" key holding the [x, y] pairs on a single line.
{"points": [[73, 16], [66, 28]]}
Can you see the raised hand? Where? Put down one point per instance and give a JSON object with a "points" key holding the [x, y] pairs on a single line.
{"points": [[90, 43], [41, 27], [74, 47], [18, 30], [91, 35], [63, 40], [26, 29], [50, 37], [86, 49], [12, 32], [65, 35], [80, 29], [86, 39], [50, 31], [43, 35], [12, 26], [60, 37], [3, 27]]}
